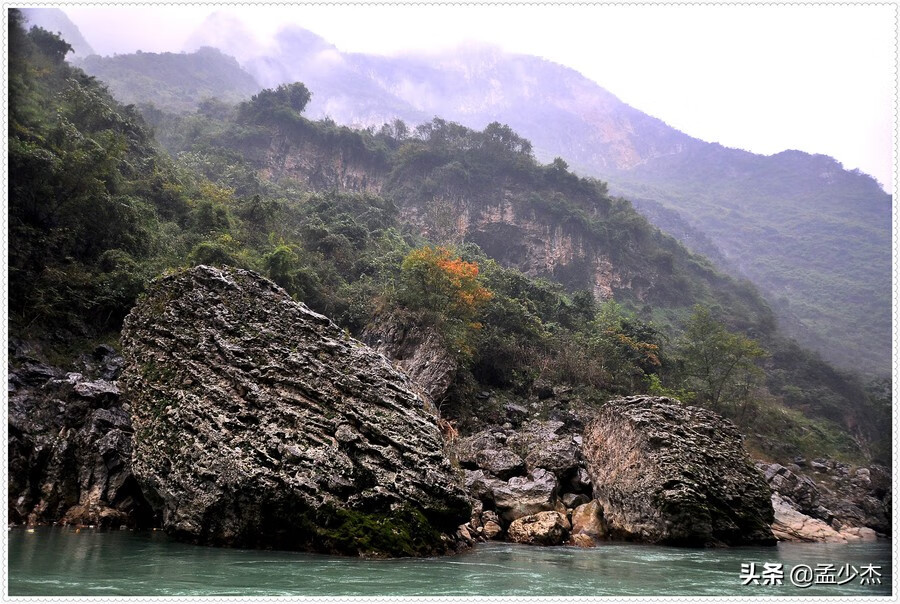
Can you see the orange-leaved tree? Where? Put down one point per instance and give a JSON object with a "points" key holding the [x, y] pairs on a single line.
{"points": [[440, 283]]}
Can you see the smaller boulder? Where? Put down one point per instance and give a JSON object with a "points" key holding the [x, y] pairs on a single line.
{"points": [[588, 520], [543, 528], [582, 540], [526, 495], [492, 530], [491, 523], [481, 487], [502, 463]]}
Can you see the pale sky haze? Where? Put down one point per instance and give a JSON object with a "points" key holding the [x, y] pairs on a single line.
{"points": [[818, 78]]}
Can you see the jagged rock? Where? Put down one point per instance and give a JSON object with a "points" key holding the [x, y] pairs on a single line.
{"points": [[467, 448], [516, 414], [671, 474], [481, 487], [259, 423], [793, 525], [526, 495], [801, 490], [560, 456], [543, 528], [70, 447], [417, 351], [572, 500], [587, 519], [548, 447], [502, 463], [477, 510]]}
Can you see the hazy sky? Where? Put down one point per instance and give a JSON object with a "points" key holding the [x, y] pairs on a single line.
{"points": [[764, 78]]}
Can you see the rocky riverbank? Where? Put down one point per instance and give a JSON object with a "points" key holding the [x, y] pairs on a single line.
{"points": [[243, 418]]}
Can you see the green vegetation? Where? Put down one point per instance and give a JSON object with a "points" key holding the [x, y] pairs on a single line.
{"points": [[818, 235], [405, 532], [363, 224]]}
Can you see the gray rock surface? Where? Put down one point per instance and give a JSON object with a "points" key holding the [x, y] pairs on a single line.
{"points": [[548, 446], [671, 474], [419, 352], [70, 445], [526, 495], [259, 423], [502, 463]]}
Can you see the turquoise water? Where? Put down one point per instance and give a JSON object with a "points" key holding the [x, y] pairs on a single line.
{"points": [[63, 562]]}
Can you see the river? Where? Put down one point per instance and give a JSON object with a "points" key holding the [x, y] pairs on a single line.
{"points": [[68, 562]]}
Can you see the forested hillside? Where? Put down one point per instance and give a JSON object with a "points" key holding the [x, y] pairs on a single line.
{"points": [[176, 82], [529, 275], [814, 237]]}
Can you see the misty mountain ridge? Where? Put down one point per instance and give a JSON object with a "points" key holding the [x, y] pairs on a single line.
{"points": [[814, 236]]}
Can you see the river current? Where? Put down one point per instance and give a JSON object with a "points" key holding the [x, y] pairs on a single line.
{"points": [[69, 562]]}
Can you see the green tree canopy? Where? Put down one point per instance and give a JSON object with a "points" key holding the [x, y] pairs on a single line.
{"points": [[719, 366]]}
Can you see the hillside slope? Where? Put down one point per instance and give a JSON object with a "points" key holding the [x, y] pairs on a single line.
{"points": [[814, 237], [177, 82]]}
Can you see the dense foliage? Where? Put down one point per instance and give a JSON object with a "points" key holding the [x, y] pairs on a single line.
{"points": [[96, 209]]}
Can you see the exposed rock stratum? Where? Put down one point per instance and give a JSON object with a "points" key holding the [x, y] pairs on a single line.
{"points": [[259, 423]]}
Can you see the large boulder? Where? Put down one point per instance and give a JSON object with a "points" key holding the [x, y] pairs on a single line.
{"points": [[671, 474], [259, 423]]}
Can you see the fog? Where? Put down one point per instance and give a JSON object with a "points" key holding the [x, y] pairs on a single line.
{"points": [[763, 78]]}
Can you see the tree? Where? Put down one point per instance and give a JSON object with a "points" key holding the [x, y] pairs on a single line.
{"points": [[719, 366], [282, 104], [52, 45], [433, 279]]}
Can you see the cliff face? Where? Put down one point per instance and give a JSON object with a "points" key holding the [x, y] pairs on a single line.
{"points": [[527, 239], [307, 160], [259, 423]]}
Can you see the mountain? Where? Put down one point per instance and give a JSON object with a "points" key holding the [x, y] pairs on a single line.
{"points": [[813, 236], [173, 82], [816, 238], [56, 21], [525, 281]]}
